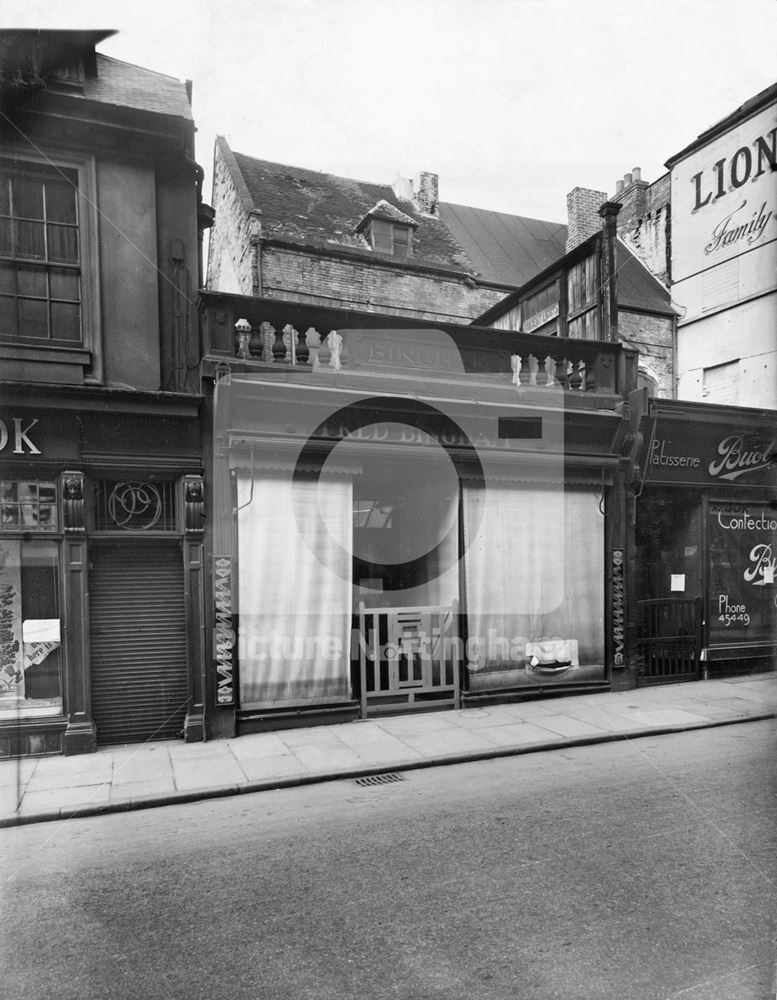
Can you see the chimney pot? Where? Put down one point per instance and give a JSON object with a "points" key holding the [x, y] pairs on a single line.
{"points": [[637, 173], [627, 180], [618, 186], [403, 188]]}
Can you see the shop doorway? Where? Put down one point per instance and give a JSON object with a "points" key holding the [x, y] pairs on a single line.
{"points": [[138, 641], [406, 545], [668, 640]]}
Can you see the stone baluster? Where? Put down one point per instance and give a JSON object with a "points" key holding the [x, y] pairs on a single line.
{"points": [[257, 343], [542, 370], [268, 339], [303, 348], [515, 364], [324, 352], [313, 338], [575, 377], [243, 339], [562, 371], [336, 348], [290, 339], [550, 371], [279, 349]]}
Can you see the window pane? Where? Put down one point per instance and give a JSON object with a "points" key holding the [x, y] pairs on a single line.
{"points": [[9, 515], [7, 278], [7, 317], [33, 318], [65, 321], [32, 281], [27, 199], [60, 202], [65, 285], [5, 237], [30, 240], [63, 243]]}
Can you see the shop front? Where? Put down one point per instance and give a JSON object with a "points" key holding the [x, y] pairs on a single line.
{"points": [[409, 532], [98, 535], [707, 542]]}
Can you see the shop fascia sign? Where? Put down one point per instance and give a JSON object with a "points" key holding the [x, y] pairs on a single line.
{"points": [[732, 456], [18, 437]]}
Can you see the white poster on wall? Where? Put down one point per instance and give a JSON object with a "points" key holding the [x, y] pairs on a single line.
{"points": [[11, 640]]}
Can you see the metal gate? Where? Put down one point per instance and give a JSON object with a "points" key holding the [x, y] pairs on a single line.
{"points": [[137, 624], [407, 657], [668, 640]]}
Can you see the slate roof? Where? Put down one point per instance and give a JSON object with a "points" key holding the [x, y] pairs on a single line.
{"points": [[308, 208], [33, 58], [128, 86], [638, 289]]}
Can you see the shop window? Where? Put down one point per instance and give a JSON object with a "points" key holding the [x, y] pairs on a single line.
{"points": [[40, 255], [134, 506], [30, 629], [534, 570], [28, 505]]}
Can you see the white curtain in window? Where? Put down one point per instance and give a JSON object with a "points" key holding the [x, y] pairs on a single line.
{"points": [[534, 570], [294, 589]]}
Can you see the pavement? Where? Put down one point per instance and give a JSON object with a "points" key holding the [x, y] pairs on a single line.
{"points": [[140, 776]]}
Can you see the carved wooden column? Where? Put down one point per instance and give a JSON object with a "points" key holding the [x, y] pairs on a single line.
{"points": [[193, 492], [80, 735]]}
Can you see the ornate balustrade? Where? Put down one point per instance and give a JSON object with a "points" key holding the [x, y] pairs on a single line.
{"points": [[261, 332]]}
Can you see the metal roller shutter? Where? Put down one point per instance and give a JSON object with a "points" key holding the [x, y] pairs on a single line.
{"points": [[138, 642]]}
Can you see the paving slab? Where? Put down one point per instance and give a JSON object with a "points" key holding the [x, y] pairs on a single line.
{"points": [[518, 734], [208, 773], [325, 756], [141, 776]]}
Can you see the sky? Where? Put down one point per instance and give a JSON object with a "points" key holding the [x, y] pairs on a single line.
{"points": [[511, 102]]}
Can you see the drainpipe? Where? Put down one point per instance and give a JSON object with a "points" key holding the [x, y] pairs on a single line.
{"points": [[255, 239], [609, 213]]}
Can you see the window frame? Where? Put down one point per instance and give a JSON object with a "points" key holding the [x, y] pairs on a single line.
{"points": [[384, 230], [88, 352]]}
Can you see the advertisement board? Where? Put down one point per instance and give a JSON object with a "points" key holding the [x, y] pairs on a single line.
{"points": [[724, 198], [742, 564]]}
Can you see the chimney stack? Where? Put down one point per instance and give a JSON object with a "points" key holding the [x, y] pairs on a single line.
{"points": [[582, 212], [425, 193]]}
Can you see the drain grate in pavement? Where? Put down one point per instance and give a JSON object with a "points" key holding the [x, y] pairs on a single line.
{"points": [[379, 779]]}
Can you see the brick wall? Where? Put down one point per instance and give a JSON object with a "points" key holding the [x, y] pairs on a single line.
{"points": [[583, 219], [644, 223], [344, 284], [652, 336]]}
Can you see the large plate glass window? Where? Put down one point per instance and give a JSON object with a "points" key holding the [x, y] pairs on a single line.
{"points": [[30, 628]]}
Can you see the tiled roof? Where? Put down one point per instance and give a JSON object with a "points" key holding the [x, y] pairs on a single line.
{"points": [[382, 210], [321, 210], [122, 84]]}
